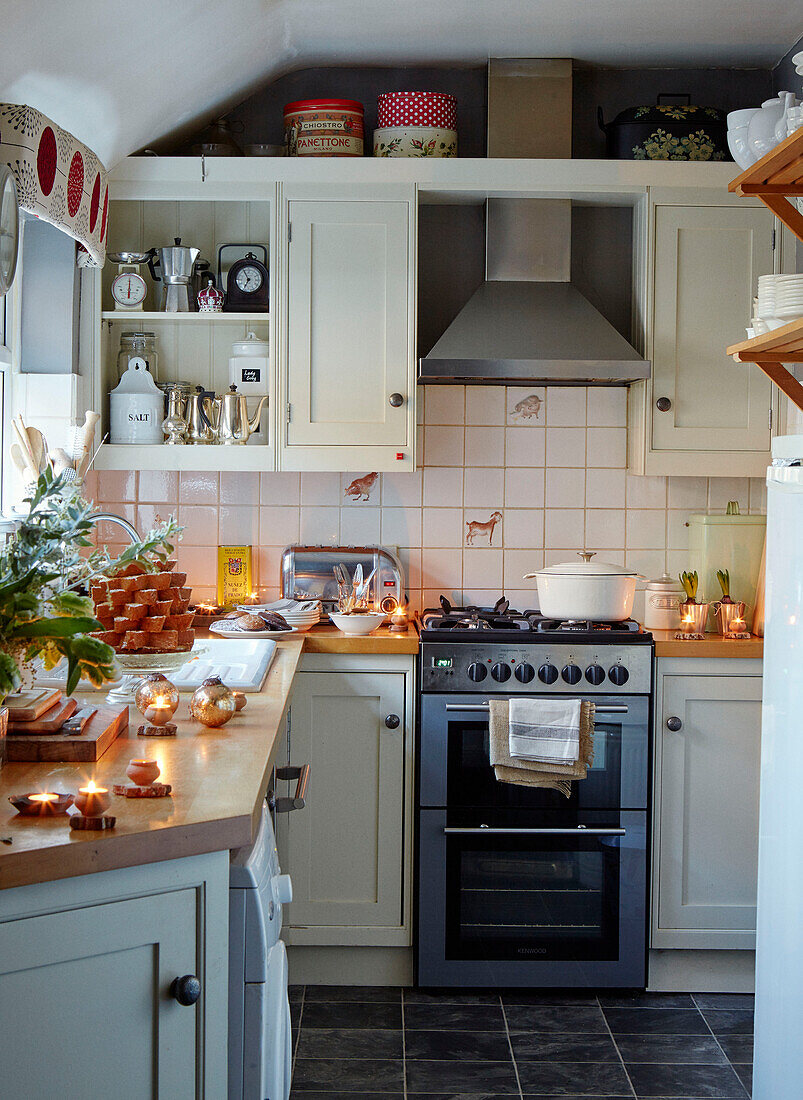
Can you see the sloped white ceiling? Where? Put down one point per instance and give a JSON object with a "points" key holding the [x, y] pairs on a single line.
{"points": [[122, 75]]}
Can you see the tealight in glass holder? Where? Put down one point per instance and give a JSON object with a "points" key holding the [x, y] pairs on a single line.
{"points": [[731, 621], [157, 701], [693, 618]]}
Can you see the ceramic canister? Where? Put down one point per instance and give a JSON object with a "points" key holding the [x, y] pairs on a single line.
{"points": [[248, 365], [661, 604], [137, 407], [323, 128]]}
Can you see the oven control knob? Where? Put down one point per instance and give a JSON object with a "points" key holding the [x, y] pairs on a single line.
{"points": [[595, 674], [477, 672], [500, 672], [571, 674], [524, 673], [547, 674], [618, 675]]}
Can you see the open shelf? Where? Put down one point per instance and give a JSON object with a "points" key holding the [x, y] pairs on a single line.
{"points": [[777, 175], [183, 318], [120, 456]]}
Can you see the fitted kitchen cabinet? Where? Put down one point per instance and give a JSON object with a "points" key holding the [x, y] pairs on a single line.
{"points": [[700, 413], [348, 851], [705, 850], [88, 964], [349, 343]]}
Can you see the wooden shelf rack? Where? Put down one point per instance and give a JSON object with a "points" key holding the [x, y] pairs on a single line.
{"points": [[775, 179]]}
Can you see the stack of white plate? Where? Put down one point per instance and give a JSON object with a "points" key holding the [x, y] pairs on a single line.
{"points": [[779, 301], [301, 616], [789, 297]]}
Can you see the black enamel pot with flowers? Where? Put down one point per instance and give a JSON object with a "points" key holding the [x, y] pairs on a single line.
{"points": [[667, 132]]}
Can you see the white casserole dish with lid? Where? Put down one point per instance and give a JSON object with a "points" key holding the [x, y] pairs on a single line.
{"points": [[601, 591]]}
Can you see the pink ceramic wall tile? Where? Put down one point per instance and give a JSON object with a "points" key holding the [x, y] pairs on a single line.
{"points": [[279, 526], [605, 529], [239, 488], [443, 446], [445, 405], [198, 487], [484, 488], [116, 485], [200, 523], [485, 447], [524, 528], [525, 446], [525, 405], [443, 486], [158, 487], [284, 488], [485, 405]]}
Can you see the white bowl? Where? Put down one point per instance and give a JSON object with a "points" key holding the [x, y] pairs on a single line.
{"points": [[358, 624]]}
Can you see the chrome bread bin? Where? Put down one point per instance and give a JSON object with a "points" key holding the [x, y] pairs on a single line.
{"points": [[308, 573]]}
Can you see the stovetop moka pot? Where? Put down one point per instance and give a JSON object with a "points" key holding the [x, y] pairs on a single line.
{"points": [[176, 263]]}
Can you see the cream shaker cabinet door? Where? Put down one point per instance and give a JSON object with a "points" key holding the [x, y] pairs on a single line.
{"points": [[707, 262], [707, 808], [85, 1001], [348, 324], [345, 850]]}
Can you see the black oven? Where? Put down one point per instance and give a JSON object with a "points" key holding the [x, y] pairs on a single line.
{"points": [[524, 887]]}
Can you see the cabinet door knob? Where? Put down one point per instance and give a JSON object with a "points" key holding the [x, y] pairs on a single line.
{"points": [[663, 404], [186, 990], [674, 724], [392, 721], [396, 400]]}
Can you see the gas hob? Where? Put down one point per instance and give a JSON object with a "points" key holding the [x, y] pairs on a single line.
{"points": [[483, 649]]}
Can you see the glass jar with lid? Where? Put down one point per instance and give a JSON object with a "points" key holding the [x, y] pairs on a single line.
{"points": [[142, 347]]}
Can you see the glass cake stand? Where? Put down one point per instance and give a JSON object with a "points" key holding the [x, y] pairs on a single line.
{"points": [[137, 665]]}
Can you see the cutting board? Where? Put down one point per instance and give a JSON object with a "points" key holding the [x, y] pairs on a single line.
{"points": [[25, 706], [50, 722], [100, 731]]}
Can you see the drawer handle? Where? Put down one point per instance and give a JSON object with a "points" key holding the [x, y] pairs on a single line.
{"points": [[392, 721], [296, 801], [674, 724], [663, 404], [186, 990], [395, 400], [483, 708]]}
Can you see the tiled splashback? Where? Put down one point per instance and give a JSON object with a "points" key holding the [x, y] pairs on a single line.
{"points": [[512, 478]]}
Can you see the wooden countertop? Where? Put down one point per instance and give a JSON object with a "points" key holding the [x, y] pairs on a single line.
{"points": [[219, 779], [326, 638], [712, 645]]}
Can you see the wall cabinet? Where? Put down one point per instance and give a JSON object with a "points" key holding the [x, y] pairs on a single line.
{"points": [[700, 413], [705, 850], [350, 337], [93, 976], [348, 851]]}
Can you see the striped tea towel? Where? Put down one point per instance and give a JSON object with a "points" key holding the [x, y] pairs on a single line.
{"points": [[546, 730], [529, 773]]}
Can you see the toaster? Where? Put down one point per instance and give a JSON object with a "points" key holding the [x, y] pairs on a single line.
{"points": [[308, 574]]}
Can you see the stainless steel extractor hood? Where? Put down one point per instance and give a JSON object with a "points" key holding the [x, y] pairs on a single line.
{"points": [[527, 323]]}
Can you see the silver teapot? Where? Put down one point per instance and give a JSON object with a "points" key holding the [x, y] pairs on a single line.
{"points": [[199, 414], [230, 417]]}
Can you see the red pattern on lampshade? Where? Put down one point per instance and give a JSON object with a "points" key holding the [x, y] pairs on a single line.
{"points": [[417, 109], [94, 204], [46, 158], [75, 184]]}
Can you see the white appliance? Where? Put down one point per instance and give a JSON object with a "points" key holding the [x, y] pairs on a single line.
{"points": [[260, 1053], [778, 1054]]}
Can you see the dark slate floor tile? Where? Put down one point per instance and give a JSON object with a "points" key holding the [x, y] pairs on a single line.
{"points": [[742, 1001], [344, 1075], [729, 1022], [549, 1020], [348, 1014], [321, 1042], [683, 1081], [489, 1045], [295, 1013], [575, 1096], [745, 1075], [646, 1000], [566, 1078], [449, 996], [496, 1078], [654, 1021], [563, 1048], [702, 1049], [738, 1048], [295, 993], [298, 1094], [363, 994], [566, 1000], [461, 1096], [438, 1017]]}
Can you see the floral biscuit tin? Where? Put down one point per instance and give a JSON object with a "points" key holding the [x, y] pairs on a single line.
{"points": [[323, 128]]}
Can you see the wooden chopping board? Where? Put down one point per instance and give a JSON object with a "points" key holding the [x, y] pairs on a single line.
{"points": [[100, 731], [25, 706], [50, 722]]}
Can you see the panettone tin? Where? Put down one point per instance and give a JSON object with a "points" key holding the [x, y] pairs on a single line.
{"points": [[323, 128]]}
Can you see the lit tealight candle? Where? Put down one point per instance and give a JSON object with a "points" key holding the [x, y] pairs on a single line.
{"points": [[160, 711], [45, 796], [92, 801]]}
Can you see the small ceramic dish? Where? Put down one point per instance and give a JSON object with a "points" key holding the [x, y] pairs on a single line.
{"points": [[30, 805], [358, 624], [221, 630]]}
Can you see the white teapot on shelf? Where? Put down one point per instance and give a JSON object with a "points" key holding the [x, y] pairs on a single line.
{"points": [[761, 131], [782, 129]]}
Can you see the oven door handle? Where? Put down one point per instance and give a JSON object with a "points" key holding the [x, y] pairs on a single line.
{"points": [[483, 708], [486, 830]]}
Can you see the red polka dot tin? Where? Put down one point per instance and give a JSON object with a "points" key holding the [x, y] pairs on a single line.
{"points": [[323, 128], [417, 109]]}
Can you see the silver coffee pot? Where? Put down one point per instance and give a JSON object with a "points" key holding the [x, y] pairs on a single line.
{"points": [[230, 419], [176, 263], [199, 416]]}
